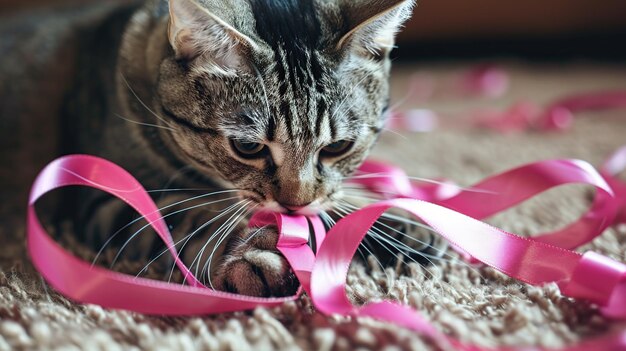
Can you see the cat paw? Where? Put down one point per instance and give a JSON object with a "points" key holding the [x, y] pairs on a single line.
{"points": [[253, 266]]}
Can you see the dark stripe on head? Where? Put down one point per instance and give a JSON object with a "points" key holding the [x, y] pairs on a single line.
{"points": [[321, 112], [291, 24], [318, 72], [185, 123], [271, 129], [285, 111], [333, 128]]}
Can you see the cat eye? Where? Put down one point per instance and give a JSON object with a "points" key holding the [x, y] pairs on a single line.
{"points": [[248, 150], [337, 148]]}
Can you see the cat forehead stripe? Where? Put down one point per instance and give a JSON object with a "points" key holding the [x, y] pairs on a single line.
{"points": [[292, 24]]}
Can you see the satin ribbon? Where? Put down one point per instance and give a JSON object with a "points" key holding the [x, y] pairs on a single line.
{"points": [[83, 282], [610, 170], [500, 192], [537, 261]]}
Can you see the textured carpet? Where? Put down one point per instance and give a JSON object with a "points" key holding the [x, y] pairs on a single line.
{"points": [[474, 304]]}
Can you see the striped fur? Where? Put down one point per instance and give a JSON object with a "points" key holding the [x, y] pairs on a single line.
{"points": [[193, 77]]}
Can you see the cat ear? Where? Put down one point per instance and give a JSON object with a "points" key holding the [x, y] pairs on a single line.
{"points": [[373, 25], [199, 36]]}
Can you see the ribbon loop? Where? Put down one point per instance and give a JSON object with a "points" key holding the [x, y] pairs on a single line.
{"points": [[508, 189], [293, 229], [82, 282], [595, 279]]}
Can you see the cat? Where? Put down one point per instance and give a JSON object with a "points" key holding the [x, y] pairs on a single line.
{"points": [[263, 104]]}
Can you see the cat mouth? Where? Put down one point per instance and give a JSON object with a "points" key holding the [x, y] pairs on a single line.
{"points": [[312, 209], [263, 204], [260, 202]]}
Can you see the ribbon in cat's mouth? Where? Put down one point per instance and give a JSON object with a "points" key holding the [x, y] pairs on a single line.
{"points": [[454, 215]]}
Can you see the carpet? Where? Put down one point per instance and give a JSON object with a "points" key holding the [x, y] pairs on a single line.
{"points": [[473, 303]]}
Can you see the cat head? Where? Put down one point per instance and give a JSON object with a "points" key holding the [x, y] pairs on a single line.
{"points": [[281, 99]]}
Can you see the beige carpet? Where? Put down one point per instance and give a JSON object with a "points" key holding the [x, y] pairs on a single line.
{"points": [[476, 305]]}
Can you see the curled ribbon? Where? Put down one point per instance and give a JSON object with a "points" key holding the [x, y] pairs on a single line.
{"points": [[83, 282], [453, 214]]}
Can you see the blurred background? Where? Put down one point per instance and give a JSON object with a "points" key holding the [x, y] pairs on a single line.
{"points": [[457, 29], [549, 29]]}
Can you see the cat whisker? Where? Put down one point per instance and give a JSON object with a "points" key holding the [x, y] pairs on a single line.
{"points": [[396, 133], [401, 246], [144, 104], [144, 124], [347, 97], [400, 259], [185, 239], [260, 78], [387, 130], [407, 250], [399, 103], [395, 218], [363, 194], [237, 208], [363, 200], [255, 233], [360, 175], [226, 232], [375, 233], [443, 253], [379, 235], [423, 180], [370, 233], [215, 234], [370, 254], [401, 220], [206, 269], [329, 223], [165, 190], [112, 237], [364, 244], [188, 237], [89, 181], [134, 235], [179, 172]]}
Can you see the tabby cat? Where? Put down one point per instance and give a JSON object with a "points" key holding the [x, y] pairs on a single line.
{"points": [[261, 104]]}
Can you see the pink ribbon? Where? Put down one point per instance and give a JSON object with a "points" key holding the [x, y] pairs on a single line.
{"points": [[557, 116], [453, 214], [83, 282], [612, 167], [492, 81]]}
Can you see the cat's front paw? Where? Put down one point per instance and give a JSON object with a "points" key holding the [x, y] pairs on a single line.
{"points": [[253, 266]]}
